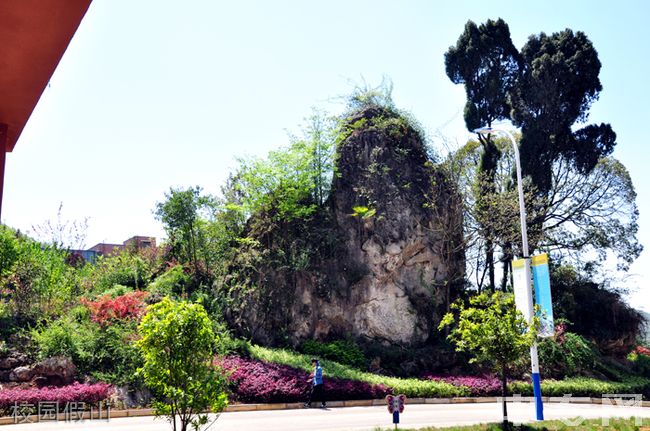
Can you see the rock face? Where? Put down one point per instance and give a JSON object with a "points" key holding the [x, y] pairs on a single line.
{"points": [[51, 371], [21, 374], [9, 363], [382, 265], [57, 370], [125, 397]]}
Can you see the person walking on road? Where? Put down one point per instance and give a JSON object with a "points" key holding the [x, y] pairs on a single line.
{"points": [[317, 390]]}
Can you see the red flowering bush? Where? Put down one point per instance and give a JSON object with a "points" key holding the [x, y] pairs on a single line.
{"points": [[105, 309], [641, 350], [76, 392], [263, 382], [478, 385]]}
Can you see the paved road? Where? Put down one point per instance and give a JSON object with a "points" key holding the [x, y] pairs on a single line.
{"points": [[351, 418]]}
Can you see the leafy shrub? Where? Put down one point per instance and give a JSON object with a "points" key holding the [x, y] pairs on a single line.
{"points": [[226, 344], [125, 269], [566, 354], [257, 381], [342, 351], [76, 392], [115, 358], [35, 280], [66, 337], [478, 386], [117, 290], [106, 310], [640, 358], [173, 283], [9, 249], [105, 352], [596, 313]]}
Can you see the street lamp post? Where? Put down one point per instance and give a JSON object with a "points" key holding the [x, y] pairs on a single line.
{"points": [[537, 389]]}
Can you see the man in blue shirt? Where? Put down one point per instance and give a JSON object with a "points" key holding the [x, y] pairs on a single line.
{"points": [[317, 390]]}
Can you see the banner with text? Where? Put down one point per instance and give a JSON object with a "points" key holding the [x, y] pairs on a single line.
{"points": [[542, 283], [521, 285]]}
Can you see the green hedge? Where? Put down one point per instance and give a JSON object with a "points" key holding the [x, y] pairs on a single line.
{"points": [[413, 388], [576, 386], [585, 387], [342, 351]]}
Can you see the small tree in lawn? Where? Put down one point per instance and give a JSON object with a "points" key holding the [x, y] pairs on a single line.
{"points": [[493, 331], [177, 345]]}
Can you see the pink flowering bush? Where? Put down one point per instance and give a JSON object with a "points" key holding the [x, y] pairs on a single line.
{"points": [[264, 382], [76, 392], [478, 386]]}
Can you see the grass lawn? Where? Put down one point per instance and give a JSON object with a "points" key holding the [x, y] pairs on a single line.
{"points": [[590, 424]]}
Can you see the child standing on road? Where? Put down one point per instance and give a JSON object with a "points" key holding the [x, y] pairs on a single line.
{"points": [[317, 390]]}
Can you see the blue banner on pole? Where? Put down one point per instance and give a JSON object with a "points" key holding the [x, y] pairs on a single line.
{"points": [[395, 417], [542, 284]]}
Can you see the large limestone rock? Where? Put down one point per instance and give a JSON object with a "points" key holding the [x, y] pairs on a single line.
{"points": [[125, 397], [12, 360], [21, 374], [57, 370], [385, 272]]}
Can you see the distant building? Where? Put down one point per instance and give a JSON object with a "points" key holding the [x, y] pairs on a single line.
{"points": [[104, 249], [135, 243], [140, 242]]}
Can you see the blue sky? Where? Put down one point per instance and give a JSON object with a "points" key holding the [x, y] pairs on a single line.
{"points": [[152, 94]]}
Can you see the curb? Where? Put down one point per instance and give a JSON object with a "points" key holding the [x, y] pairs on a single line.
{"points": [[9, 420]]}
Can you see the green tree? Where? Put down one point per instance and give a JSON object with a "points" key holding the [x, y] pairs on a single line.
{"points": [[292, 182], [280, 185], [485, 60], [495, 220], [546, 90], [181, 215], [590, 216], [319, 134], [493, 332], [583, 218], [177, 344], [558, 83]]}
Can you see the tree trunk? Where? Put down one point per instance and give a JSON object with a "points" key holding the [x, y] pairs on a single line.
{"points": [[504, 394], [507, 257], [489, 260], [488, 169]]}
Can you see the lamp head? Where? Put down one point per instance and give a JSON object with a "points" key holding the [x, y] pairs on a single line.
{"points": [[484, 130]]}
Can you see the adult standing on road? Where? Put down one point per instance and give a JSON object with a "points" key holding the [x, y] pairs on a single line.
{"points": [[317, 389]]}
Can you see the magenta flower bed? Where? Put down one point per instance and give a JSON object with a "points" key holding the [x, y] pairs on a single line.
{"points": [[263, 382], [478, 385], [76, 392]]}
